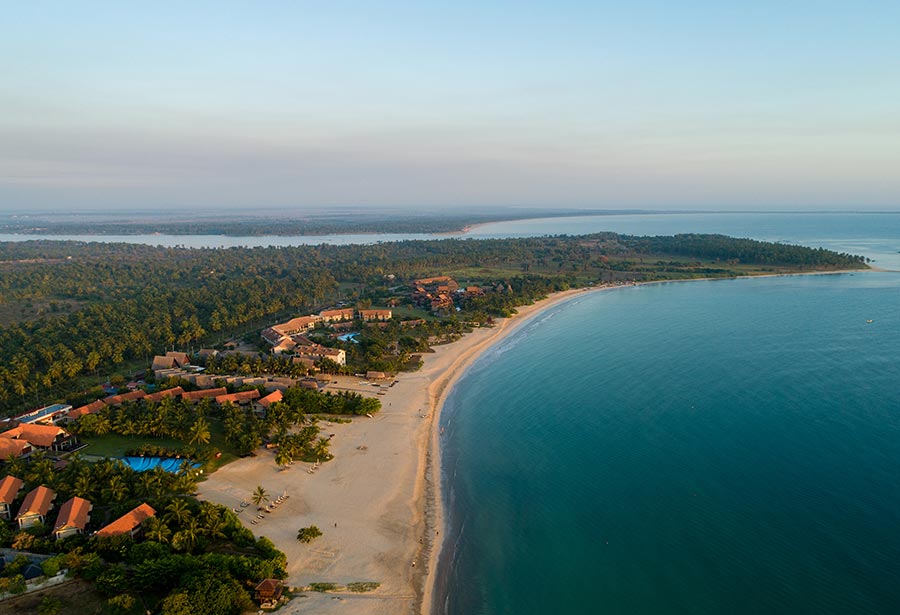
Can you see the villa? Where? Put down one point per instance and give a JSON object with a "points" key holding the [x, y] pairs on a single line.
{"points": [[73, 517], [48, 437], [129, 523], [375, 315], [35, 507], [9, 489]]}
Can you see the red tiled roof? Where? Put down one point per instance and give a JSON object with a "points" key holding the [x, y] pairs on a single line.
{"points": [[9, 488], [129, 521], [113, 400], [238, 397], [271, 398], [195, 395], [74, 513], [38, 501], [175, 392], [14, 448], [35, 434]]}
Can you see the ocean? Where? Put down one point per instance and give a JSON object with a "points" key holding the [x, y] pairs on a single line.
{"points": [[697, 447]]}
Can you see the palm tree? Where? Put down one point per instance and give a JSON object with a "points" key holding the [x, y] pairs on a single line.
{"points": [[321, 448], [157, 530], [84, 486], [178, 511], [199, 432], [187, 538], [282, 457], [260, 495], [116, 490]]}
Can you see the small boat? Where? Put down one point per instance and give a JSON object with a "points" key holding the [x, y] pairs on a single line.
{"points": [[869, 321]]}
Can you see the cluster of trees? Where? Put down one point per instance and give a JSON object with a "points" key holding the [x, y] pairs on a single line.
{"points": [[190, 549], [138, 300], [168, 418]]}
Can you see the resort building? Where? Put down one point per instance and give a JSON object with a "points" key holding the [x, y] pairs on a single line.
{"points": [[317, 352], [336, 315], [118, 400], [161, 395], [14, 448], [242, 398], [192, 396], [375, 315], [48, 437], [35, 507], [77, 413], [9, 489], [44, 416], [73, 517], [261, 406], [129, 523]]}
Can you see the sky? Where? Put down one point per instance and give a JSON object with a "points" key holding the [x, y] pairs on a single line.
{"points": [[298, 105]]}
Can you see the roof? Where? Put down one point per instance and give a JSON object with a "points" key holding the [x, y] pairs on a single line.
{"points": [[129, 521], [162, 363], [43, 413], [34, 434], [242, 396], [73, 514], [113, 400], [175, 392], [295, 324], [343, 313], [38, 501], [269, 585], [271, 398], [181, 358], [195, 395], [9, 488], [91, 408], [15, 448]]}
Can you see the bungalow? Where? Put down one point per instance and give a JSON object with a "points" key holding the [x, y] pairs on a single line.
{"points": [[317, 352], [206, 353], [242, 398], [13, 448], [48, 437], [72, 518], [336, 315], [192, 396], [118, 400], [261, 405], [269, 591], [306, 362], [129, 523], [9, 489], [160, 395], [370, 315], [35, 507]]}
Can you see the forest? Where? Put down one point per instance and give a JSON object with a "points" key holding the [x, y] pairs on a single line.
{"points": [[74, 313]]}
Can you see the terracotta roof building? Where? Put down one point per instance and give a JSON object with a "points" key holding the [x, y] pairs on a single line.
{"points": [[73, 517], [238, 398], [77, 413], [42, 436], [9, 489], [129, 523], [336, 315], [117, 400], [369, 315], [195, 395], [35, 506], [13, 448], [160, 395]]}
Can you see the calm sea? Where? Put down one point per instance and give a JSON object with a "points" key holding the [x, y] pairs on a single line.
{"points": [[701, 447]]}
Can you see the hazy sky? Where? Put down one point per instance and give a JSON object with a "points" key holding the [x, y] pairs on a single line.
{"points": [[639, 104]]}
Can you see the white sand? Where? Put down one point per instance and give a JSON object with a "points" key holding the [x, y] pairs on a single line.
{"points": [[384, 497]]}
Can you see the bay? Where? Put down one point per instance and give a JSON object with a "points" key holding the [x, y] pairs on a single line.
{"points": [[702, 447]]}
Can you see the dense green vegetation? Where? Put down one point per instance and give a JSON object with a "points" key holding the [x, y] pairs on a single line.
{"points": [[132, 301], [195, 557]]}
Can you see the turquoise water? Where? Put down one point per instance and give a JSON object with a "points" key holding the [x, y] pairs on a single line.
{"points": [[702, 447]]}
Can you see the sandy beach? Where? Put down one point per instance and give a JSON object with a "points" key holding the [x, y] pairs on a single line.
{"points": [[378, 501]]}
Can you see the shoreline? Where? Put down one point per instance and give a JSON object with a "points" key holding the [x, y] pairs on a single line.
{"points": [[380, 502], [433, 507]]}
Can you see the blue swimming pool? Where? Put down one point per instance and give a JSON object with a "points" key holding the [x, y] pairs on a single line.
{"points": [[143, 464]]}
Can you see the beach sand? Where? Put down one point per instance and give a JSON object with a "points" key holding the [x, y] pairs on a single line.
{"points": [[378, 501]]}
